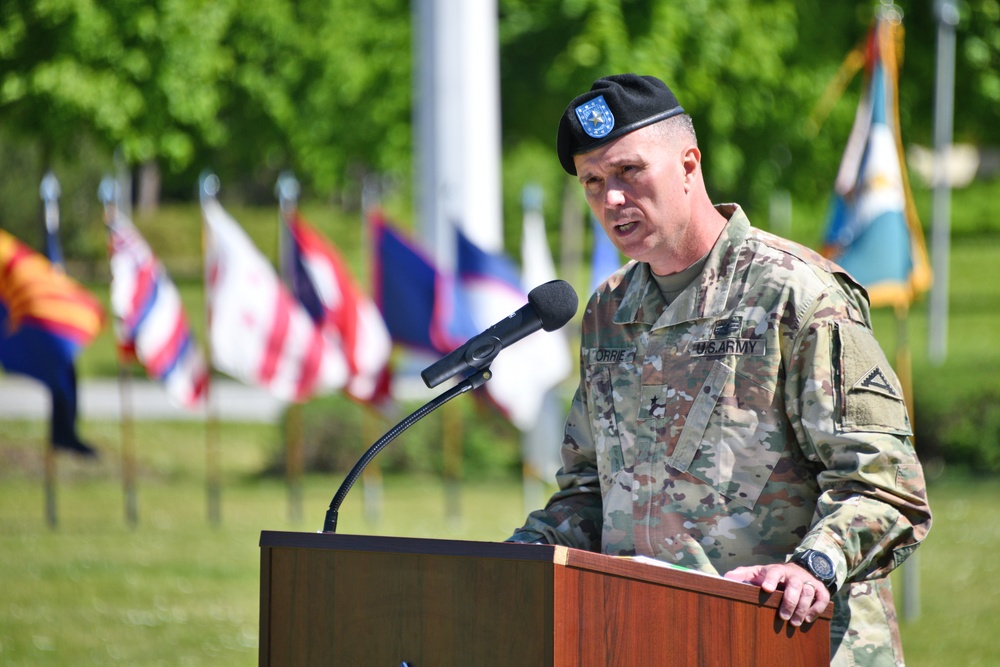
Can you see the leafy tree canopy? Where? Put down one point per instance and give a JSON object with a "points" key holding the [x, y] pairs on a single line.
{"points": [[324, 87]]}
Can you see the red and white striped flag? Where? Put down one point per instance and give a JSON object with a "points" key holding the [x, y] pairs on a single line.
{"points": [[150, 322], [324, 286], [260, 334]]}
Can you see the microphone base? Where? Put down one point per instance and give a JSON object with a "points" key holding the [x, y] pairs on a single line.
{"points": [[330, 523]]}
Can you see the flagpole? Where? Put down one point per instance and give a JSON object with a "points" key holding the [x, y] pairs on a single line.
{"points": [[107, 193], [287, 190], [51, 506], [128, 440], [910, 567], [209, 188], [213, 484], [371, 479], [947, 18], [451, 442], [49, 191], [571, 237]]}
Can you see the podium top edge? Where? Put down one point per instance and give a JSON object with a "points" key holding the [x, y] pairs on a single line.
{"points": [[408, 545]]}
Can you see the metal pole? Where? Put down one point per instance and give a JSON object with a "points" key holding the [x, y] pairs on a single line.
{"points": [[946, 12], [49, 192], [208, 187], [457, 121], [287, 190], [107, 193]]}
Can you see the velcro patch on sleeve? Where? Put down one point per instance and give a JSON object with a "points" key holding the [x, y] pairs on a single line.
{"points": [[870, 393]]}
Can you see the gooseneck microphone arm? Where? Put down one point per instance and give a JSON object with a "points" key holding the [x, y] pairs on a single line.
{"points": [[550, 306], [474, 381]]}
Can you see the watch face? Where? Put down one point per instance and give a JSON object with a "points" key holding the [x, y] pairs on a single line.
{"points": [[821, 565]]}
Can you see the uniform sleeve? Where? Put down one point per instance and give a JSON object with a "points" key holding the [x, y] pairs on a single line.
{"points": [[573, 516], [848, 409]]}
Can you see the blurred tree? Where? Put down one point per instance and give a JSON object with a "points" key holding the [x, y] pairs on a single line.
{"points": [[747, 72], [139, 76], [250, 87], [318, 86]]}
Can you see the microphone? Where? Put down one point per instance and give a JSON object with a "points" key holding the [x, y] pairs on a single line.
{"points": [[549, 307]]}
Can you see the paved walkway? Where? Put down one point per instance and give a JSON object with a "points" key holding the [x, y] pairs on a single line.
{"points": [[98, 399]]}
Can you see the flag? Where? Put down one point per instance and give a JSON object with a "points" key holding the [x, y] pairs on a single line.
{"points": [[604, 259], [46, 318], [421, 306], [259, 333], [334, 301], [492, 290], [150, 323], [872, 229], [544, 429]]}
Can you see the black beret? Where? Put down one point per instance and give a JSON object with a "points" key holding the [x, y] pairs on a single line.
{"points": [[613, 107]]}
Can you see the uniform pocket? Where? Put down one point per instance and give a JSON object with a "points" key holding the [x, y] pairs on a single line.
{"points": [[604, 420], [732, 438]]}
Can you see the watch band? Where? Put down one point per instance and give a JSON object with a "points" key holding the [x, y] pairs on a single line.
{"points": [[819, 565]]}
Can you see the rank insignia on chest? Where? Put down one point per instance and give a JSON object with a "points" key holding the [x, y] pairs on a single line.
{"points": [[723, 346], [729, 327]]}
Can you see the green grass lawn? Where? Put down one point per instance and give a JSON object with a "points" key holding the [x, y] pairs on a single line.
{"points": [[959, 574], [179, 590]]}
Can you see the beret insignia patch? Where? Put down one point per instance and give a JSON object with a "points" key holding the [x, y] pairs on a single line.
{"points": [[595, 117]]}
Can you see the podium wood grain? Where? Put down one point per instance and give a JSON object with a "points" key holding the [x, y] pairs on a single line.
{"points": [[349, 600]]}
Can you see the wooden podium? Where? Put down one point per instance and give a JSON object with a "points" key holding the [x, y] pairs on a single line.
{"points": [[328, 599]]}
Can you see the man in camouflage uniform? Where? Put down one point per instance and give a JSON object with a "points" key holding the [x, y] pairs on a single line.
{"points": [[735, 413]]}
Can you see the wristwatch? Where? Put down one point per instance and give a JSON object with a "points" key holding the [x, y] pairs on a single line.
{"points": [[819, 565]]}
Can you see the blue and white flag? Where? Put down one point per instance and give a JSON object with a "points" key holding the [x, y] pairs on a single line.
{"points": [[873, 231], [422, 307], [526, 371]]}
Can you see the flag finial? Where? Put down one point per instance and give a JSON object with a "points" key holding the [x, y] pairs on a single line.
{"points": [[107, 191], [287, 190], [208, 185]]}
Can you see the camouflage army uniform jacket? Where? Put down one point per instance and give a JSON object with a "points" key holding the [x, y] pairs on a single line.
{"points": [[753, 417]]}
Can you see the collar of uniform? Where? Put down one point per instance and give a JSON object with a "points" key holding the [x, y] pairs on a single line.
{"points": [[707, 297]]}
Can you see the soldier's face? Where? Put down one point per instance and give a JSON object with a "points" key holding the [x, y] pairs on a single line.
{"points": [[638, 188]]}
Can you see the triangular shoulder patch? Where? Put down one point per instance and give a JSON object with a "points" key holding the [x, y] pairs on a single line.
{"points": [[875, 380]]}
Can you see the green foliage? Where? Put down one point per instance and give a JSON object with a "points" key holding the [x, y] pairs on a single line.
{"points": [[140, 77], [335, 432], [251, 87], [23, 166]]}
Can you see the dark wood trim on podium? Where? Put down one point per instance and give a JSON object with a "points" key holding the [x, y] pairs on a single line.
{"points": [[329, 599]]}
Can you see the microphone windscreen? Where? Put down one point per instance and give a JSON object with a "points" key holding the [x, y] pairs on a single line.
{"points": [[555, 302]]}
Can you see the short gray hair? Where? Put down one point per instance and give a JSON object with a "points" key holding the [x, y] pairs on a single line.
{"points": [[676, 127]]}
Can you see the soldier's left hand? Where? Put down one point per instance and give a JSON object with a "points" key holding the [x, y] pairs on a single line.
{"points": [[804, 598]]}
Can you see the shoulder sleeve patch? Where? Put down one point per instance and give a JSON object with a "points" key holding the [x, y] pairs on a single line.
{"points": [[875, 380], [869, 393]]}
